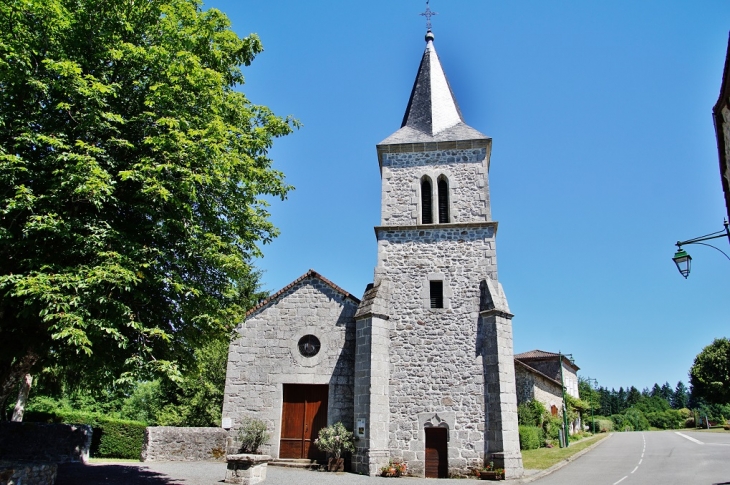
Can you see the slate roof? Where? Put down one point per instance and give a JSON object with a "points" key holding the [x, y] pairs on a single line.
{"points": [[309, 274], [432, 114], [537, 372], [368, 299], [542, 355], [722, 102]]}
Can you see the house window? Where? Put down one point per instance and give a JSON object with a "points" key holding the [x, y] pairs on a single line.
{"points": [[437, 294], [443, 195], [426, 206]]}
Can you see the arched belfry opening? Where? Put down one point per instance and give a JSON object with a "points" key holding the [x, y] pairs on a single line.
{"points": [[426, 205], [443, 196]]}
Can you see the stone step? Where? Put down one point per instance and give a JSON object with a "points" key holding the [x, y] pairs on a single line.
{"points": [[294, 463]]}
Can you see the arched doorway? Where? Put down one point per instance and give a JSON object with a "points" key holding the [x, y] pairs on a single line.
{"points": [[437, 459]]}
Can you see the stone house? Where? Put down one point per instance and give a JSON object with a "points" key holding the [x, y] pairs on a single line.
{"points": [[421, 368], [538, 376]]}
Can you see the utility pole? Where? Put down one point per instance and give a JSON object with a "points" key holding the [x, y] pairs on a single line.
{"points": [[565, 403]]}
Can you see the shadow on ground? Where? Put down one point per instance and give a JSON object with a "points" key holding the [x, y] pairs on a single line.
{"points": [[109, 474]]}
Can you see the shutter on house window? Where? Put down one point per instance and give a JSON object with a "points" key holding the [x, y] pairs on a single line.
{"points": [[437, 294], [443, 201], [426, 211]]}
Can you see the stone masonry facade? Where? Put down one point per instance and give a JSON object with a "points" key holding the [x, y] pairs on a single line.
{"points": [[532, 385], [264, 355], [444, 366], [461, 167]]}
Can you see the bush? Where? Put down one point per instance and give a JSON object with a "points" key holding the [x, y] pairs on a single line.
{"points": [[552, 427], [252, 434], [530, 437], [335, 439], [111, 438], [604, 425], [531, 413], [669, 419]]}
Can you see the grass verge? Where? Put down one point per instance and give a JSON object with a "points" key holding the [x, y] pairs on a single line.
{"points": [[714, 429], [543, 458]]}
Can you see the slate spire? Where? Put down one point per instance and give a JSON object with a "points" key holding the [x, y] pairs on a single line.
{"points": [[432, 113]]}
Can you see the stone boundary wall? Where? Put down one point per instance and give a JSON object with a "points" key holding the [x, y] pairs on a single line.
{"points": [[28, 473], [40, 442], [169, 443]]}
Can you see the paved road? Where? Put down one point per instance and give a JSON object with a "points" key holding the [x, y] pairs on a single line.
{"points": [[657, 457], [207, 473]]}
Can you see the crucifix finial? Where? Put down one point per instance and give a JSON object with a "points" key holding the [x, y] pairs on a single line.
{"points": [[428, 14]]}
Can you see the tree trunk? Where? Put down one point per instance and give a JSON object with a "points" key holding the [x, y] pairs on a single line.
{"points": [[12, 374], [22, 398]]}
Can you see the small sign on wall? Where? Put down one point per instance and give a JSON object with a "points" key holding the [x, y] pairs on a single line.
{"points": [[360, 427], [226, 423]]}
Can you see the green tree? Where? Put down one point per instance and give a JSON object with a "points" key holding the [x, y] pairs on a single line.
{"points": [[132, 184], [633, 396], [709, 376], [680, 398]]}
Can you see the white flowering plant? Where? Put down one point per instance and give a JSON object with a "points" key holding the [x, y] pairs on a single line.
{"points": [[335, 439]]}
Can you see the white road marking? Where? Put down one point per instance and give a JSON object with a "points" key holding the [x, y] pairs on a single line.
{"points": [[624, 478], [689, 438], [642, 459], [637, 467]]}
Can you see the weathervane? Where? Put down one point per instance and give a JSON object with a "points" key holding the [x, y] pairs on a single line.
{"points": [[428, 14]]}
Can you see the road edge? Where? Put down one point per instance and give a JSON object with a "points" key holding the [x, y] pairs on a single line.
{"points": [[561, 464]]}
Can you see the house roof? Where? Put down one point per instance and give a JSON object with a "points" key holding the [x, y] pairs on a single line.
{"points": [[537, 372], [722, 102], [432, 114], [534, 355], [309, 274]]}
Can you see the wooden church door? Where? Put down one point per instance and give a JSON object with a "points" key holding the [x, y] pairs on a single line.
{"points": [[304, 413], [437, 460]]}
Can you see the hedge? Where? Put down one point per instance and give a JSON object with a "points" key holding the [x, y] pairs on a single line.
{"points": [[112, 438], [530, 437]]}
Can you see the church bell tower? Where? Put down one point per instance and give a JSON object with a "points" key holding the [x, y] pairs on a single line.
{"points": [[434, 368]]}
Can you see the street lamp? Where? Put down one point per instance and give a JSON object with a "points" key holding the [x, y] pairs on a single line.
{"points": [[683, 260], [593, 387]]}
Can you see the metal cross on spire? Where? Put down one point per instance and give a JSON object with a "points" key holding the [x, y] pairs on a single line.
{"points": [[428, 14]]}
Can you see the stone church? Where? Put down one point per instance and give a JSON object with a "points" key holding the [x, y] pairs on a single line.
{"points": [[421, 368]]}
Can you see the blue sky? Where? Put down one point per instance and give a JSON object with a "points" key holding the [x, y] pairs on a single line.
{"points": [[604, 155]]}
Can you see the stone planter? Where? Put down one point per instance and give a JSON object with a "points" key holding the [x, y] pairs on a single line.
{"points": [[491, 475], [246, 469]]}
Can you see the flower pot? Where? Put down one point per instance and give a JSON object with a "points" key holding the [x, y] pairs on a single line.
{"points": [[336, 464], [491, 475]]}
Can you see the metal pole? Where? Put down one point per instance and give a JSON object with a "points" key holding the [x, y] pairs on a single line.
{"points": [[565, 403]]}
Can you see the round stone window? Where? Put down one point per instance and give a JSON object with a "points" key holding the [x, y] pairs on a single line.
{"points": [[309, 346]]}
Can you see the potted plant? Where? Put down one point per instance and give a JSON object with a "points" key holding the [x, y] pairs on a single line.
{"points": [[394, 468], [251, 435], [488, 472], [335, 440]]}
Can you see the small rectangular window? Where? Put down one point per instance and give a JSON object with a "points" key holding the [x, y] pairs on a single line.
{"points": [[437, 294]]}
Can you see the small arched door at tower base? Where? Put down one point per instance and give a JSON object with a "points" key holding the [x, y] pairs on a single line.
{"points": [[437, 459]]}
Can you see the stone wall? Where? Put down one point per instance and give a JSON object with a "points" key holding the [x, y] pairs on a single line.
{"points": [[38, 442], [464, 169], [28, 473], [265, 355], [169, 443], [535, 386]]}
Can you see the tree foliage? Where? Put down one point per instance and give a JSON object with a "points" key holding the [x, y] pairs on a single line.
{"points": [[131, 182], [709, 375]]}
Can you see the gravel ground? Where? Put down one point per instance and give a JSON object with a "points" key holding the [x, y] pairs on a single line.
{"points": [[210, 473]]}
